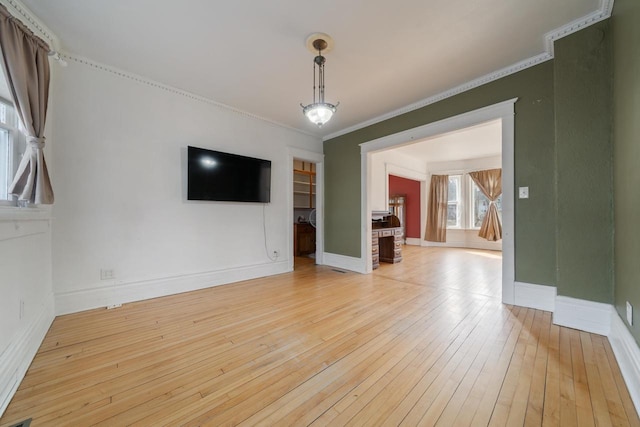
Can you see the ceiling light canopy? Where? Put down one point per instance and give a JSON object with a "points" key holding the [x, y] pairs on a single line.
{"points": [[319, 112]]}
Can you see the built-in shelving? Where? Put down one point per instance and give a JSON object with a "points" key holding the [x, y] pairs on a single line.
{"points": [[304, 183]]}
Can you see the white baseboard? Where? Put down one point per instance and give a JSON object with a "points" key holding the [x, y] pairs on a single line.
{"points": [[413, 241], [627, 354], [490, 246], [15, 360], [120, 293], [535, 296], [589, 316], [344, 262]]}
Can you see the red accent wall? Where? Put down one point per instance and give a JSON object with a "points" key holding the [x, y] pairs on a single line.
{"points": [[411, 188]]}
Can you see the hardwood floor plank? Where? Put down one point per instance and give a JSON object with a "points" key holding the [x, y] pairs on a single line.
{"points": [[623, 392], [422, 342], [551, 405]]}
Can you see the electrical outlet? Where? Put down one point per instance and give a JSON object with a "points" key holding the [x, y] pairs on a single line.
{"points": [[107, 274], [629, 313], [276, 254]]}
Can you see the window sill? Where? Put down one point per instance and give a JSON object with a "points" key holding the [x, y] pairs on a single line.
{"points": [[15, 213]]}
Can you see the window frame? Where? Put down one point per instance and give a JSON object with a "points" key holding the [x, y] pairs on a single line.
{"points": [[472, 205], [15, 149], [459, 202], [465, 199]]}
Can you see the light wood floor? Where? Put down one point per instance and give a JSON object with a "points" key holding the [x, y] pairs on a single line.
{"points": [[423, 342]]}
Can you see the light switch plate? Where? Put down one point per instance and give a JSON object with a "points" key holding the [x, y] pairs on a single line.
{"points": [[523, 192]]}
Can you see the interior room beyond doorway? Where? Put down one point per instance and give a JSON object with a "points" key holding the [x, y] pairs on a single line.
{"points": [[395, 171]]}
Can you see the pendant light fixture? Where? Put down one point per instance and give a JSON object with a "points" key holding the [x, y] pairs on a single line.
{"points": [[319, 112]]}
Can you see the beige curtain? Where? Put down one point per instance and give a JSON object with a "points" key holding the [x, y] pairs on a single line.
{"points": [[437, 209], [26, 66], [490, 183]]}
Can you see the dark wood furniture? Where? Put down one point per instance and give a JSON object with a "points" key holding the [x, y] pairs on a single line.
{"points": [[304, 239]]}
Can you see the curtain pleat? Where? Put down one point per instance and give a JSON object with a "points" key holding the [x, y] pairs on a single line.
{"points": [[26, 66], [490, 183], [437, 209]]}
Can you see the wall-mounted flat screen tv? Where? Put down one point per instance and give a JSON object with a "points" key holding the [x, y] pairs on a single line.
{"points": [[213, 175]]}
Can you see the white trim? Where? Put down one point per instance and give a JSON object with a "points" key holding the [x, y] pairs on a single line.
{"points": [[28, 18], [604, 12], [15, 360], [588, 316], [345, 262], [413, 241], [627, 355], [318, 159], [503, 111], [535, 296], [404, 172], [114, 294], [465, 244]]}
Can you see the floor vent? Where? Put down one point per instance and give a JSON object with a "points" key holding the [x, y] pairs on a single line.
{"points": [[339, 271], [25, 423]]}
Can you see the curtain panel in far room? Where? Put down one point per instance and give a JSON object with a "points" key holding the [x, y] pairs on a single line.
{"points": [[490, 183], [437, 209], [25, 61]]}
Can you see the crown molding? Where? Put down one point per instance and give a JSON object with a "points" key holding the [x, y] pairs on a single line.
{"points": [[604, 12], [19, 10], [70, 57]]}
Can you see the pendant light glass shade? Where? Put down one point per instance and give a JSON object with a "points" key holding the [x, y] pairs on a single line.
{"points": [[319, 112]]}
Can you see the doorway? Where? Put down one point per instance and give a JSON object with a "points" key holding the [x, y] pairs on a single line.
{"points": [[504, 112], [304, 212], [305, 203]]}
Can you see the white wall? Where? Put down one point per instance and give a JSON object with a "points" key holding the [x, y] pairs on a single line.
{"points": [[26, 303], [121, 192]]}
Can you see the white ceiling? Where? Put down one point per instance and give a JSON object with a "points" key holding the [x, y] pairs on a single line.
{"points": [[251, 54], [483, 140]]}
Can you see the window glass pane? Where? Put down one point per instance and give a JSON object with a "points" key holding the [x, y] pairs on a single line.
{"points": [[4, 164], [481, 206], [452, 215], [453, 188], [454, 207]]}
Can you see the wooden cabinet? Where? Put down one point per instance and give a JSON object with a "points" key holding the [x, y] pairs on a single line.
{"points": [[386, 246], [304, 239], [304, 184]]}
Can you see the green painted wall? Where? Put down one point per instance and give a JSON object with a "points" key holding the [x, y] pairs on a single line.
{"points": [[582, 76], [535, 218], [563, 153], [626, 148]]}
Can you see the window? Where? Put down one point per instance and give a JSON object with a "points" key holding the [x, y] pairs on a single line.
{"points": [[467, 205], [480, 205], [12, 146], [454, 206]]}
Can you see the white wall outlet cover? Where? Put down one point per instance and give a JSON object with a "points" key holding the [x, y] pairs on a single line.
{"points": [[523, 192], [629, 313]]}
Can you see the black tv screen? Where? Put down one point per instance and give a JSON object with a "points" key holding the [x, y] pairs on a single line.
{"points": [[225, 177]]}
